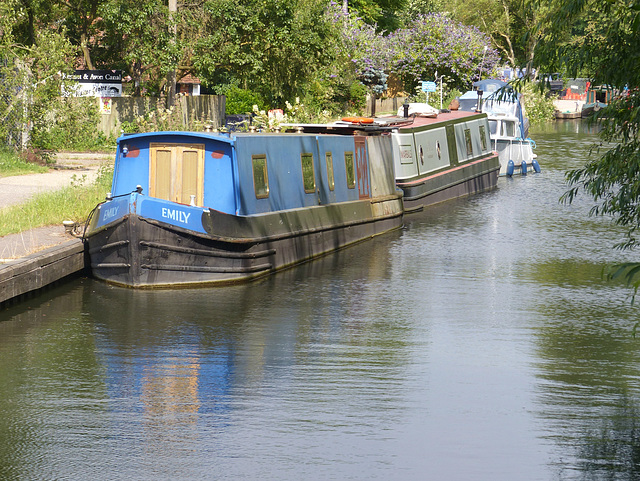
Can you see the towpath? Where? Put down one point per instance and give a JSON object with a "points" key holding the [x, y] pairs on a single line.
{"points": [[19, 189]]}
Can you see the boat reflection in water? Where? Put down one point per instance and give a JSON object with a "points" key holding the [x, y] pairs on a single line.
{"points": [[198, 351]]}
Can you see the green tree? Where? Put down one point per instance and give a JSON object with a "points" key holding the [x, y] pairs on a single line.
{"points": [[84, 25], [138, 39], [514, 26], [413, 8], [30, 83], [26, 16], [603, 41], [385, 14], [274, 47]]}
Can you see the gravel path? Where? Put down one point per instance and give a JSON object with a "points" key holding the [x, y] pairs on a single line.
{"points": [[68, 167], [18, 189]]}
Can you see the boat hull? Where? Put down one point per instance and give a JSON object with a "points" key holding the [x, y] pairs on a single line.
{"points": [[466, 179], [517, 151], [141, 252]]}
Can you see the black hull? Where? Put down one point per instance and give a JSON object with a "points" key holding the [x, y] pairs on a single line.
{"points": [[450, 184], [138, 252]]}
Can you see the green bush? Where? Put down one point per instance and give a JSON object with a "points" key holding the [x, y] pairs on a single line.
{"points": [[241, 101], [357, 102], [335, 96], [538, 107], [70, 124]]}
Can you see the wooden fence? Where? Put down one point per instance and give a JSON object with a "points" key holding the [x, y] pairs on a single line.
{"points": [[384, 106], [208, 108]]}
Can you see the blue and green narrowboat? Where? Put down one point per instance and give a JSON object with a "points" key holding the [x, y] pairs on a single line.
{"points": [[191, 208]]}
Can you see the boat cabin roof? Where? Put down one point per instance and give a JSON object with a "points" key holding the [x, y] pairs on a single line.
{"points": [[388, 124], [453, 115], [377, 126]]}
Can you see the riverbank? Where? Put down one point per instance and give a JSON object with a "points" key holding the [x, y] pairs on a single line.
{"points": [[35, 258]]}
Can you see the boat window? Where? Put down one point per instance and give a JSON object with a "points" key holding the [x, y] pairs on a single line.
{"points": [[351, 172], [467, 139], [260, 176], [509, 129], [329, 159], [493, 127], [483, 137], [308, 174]]}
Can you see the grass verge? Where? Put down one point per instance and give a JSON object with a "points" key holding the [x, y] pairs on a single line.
{"points": [[49, 208], [12, 164]]}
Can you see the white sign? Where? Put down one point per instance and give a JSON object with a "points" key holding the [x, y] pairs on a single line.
{"points": [[428, 86], [94, 83]]}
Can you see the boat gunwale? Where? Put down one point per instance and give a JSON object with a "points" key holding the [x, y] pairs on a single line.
{"points": [[445, 170]]}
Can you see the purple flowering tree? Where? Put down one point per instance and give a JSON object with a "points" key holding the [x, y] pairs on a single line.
{"points": [[435, 43], [431, 43], [367, 52]]}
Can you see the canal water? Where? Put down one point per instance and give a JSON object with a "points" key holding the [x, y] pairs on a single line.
{"points": [[479, 342]]}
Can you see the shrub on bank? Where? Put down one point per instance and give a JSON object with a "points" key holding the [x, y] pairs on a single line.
{"points": [[70, 124], [539, 108]]}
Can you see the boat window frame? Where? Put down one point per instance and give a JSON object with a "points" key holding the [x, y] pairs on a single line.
{"points": [[483, 137], [350, 168], [263, 193], [328, 158], [508, 125], [307, 180], [494, 127], [468, 142]]}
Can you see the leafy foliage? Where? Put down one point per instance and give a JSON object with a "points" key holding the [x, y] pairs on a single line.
{"points": [[31, 84], [435, 43], [515, 27], [73, 127], [538, 106], [606, 50], [241, 101], [138, 38], [273, 47], [613, 178], [385, 14]]}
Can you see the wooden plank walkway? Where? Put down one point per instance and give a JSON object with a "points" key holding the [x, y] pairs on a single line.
{"points": [[19, 277]]}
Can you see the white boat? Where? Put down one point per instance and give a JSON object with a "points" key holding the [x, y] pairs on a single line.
{"points": [[508, 126]]}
